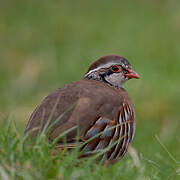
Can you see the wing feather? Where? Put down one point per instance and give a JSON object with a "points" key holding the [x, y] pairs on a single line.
{"points": [[105, 133]]}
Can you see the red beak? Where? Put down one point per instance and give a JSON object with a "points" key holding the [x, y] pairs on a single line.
{"points": [[132, 74]]}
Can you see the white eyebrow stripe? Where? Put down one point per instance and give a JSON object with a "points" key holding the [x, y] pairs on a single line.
{"points": [[103, 66]]}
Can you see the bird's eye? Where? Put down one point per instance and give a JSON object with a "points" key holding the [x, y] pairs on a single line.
{"points": [[115, 68]]}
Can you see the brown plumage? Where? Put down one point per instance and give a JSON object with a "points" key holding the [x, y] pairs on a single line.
{"points": [[96, 104]]}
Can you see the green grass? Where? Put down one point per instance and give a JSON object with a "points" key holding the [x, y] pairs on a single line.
{"points": [[46, 44], [21, 160]]}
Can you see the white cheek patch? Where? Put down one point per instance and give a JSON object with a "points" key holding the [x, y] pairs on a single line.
{"points": [[116, 79]]}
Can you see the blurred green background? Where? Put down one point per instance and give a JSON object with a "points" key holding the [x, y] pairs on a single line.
{"points": [[46, 44]]}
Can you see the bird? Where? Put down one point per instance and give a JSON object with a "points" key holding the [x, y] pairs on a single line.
{"points": [[96, 109]]}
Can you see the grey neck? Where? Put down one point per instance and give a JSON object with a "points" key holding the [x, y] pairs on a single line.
{"points": [[99, 77], [94, 76]]}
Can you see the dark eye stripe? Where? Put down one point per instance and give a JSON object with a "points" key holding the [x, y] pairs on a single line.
{"points": [[116, 68]]}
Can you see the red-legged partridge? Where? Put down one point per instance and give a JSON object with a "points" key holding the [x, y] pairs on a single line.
{"points": [[97, 104]]}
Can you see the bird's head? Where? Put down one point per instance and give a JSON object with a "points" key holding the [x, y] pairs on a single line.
{"points": [[112, 69]]}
